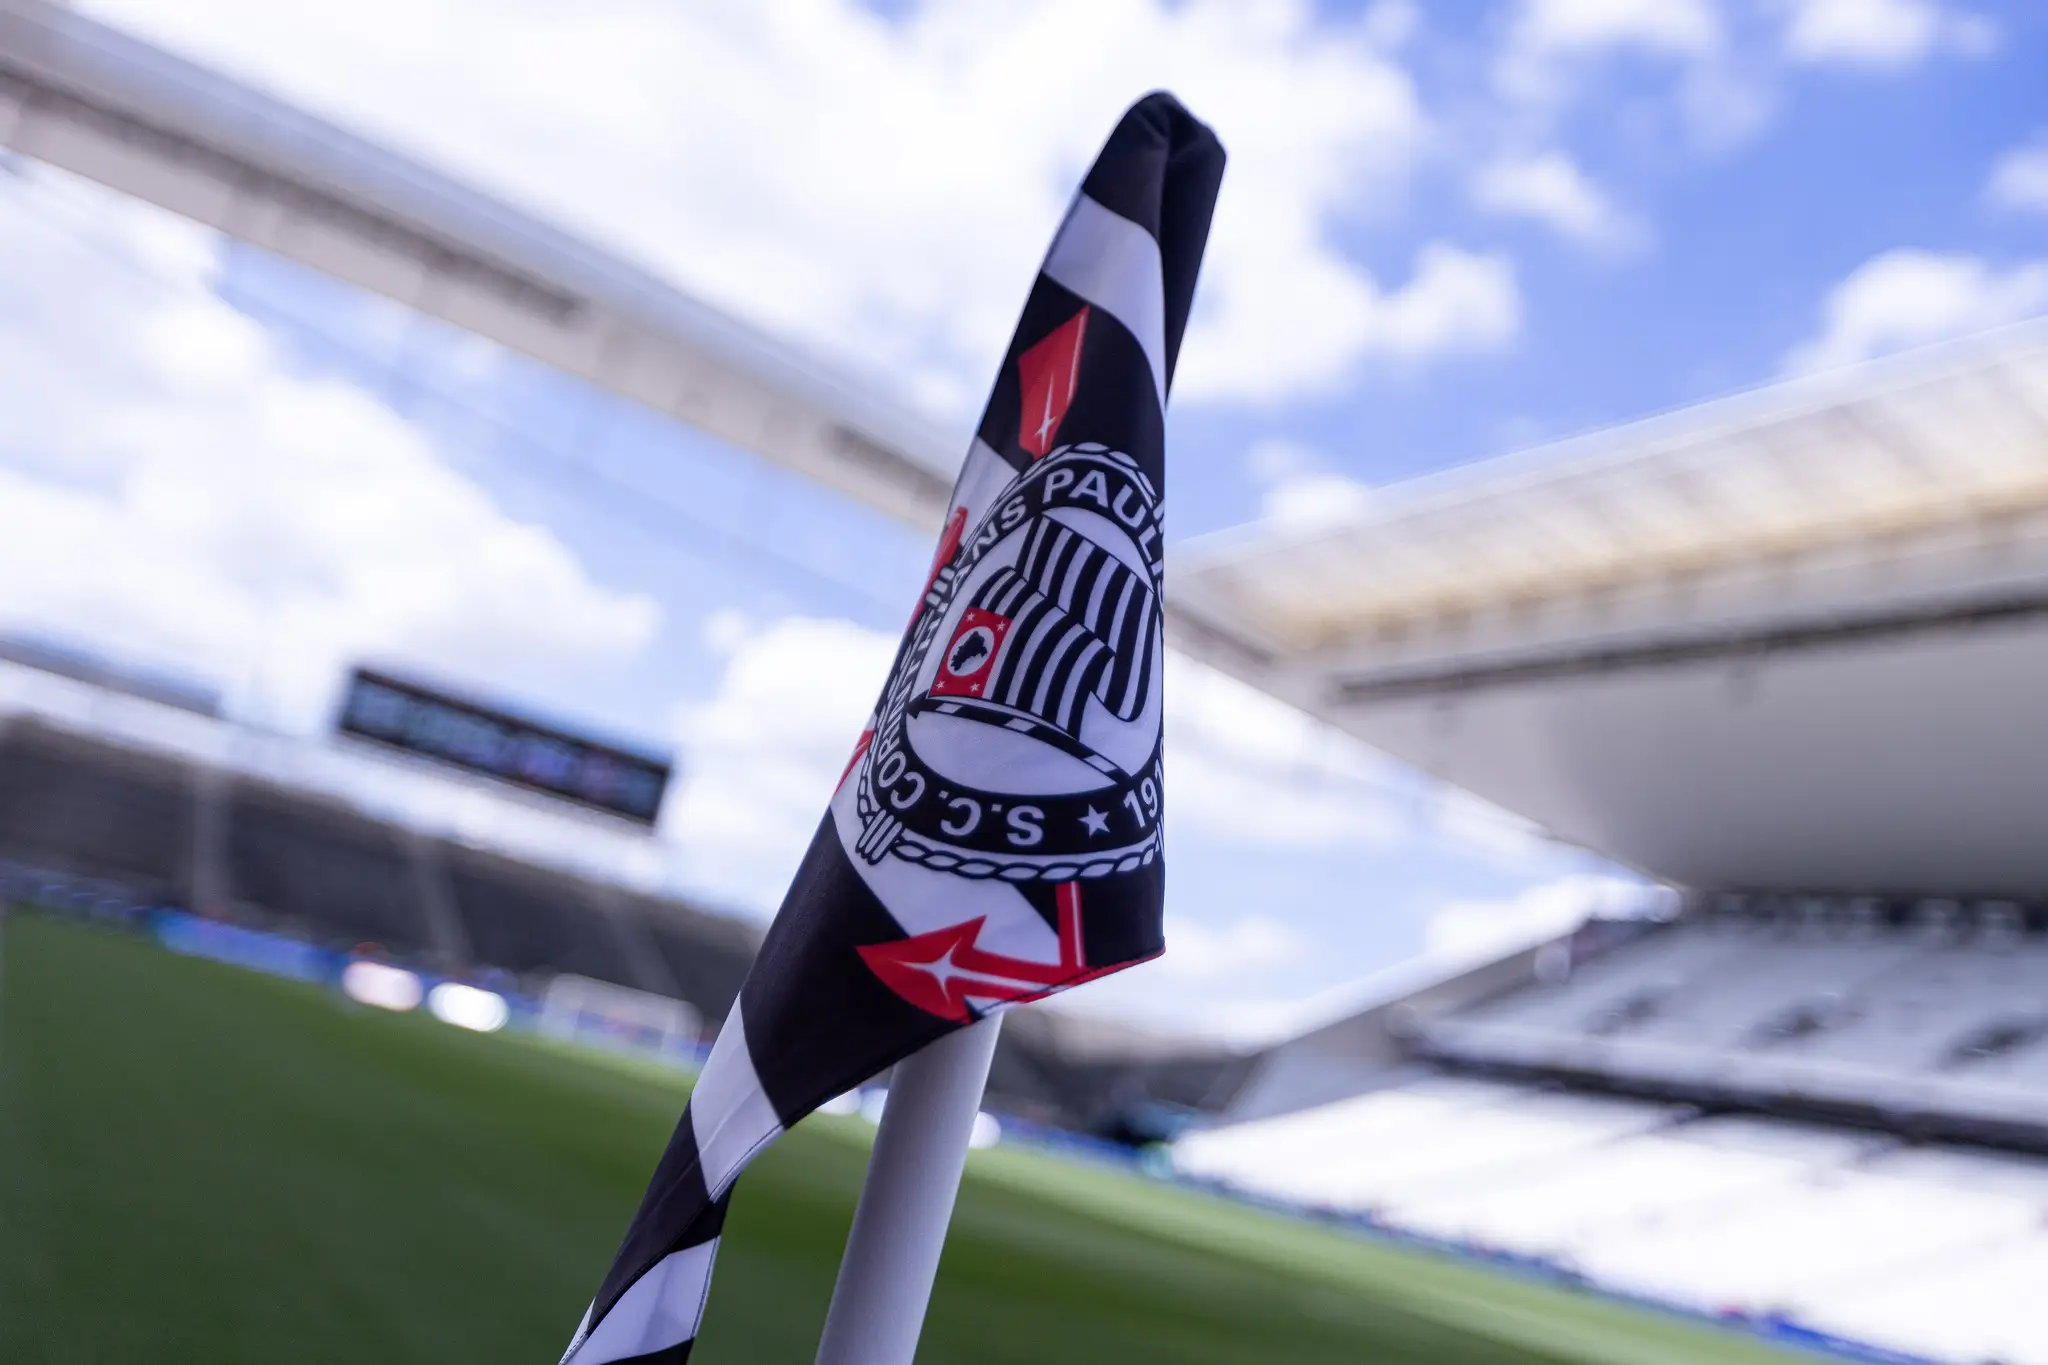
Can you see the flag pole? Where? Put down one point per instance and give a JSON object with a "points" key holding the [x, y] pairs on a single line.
{"points": [[899, 1227]]}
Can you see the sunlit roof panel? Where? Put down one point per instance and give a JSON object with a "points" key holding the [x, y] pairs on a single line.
{"points": [[1946, 436]]}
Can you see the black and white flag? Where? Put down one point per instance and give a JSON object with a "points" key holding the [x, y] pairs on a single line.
{"points": [[996, 836]]}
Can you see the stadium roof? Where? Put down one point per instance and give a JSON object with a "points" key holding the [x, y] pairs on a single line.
{"points": [[1946, 437], [91, 100], [1789, 640]]}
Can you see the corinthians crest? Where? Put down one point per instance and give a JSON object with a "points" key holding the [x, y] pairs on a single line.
{"points": [[1019, 736]]}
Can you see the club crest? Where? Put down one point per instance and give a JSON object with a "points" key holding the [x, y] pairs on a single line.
{"points": [[1019, 736]]}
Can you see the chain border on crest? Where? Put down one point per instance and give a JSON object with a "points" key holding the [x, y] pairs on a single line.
{"points": [[883, 835]]}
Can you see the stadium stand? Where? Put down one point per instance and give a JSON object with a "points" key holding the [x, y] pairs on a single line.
{"points": [[73, 806], [78, 806], [524, 920], [115, 823], [1830, 1112], [1930, 1010], [1107, 1078], [1854, 1232], [707, 957], [322, 871], [1979, 1306]]}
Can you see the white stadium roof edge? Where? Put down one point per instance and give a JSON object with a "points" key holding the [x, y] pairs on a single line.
{"points": [[1950, 434], [91, 100]]}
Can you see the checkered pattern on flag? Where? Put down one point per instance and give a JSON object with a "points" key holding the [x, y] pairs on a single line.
{"points": [[995, 837]]}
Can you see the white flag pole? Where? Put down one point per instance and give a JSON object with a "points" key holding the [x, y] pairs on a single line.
{"points": [[899, 1227]]}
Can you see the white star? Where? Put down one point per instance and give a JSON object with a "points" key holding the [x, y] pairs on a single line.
{"points": [[942, 968], [945, 971], [1045, 427], [1097, 822]]}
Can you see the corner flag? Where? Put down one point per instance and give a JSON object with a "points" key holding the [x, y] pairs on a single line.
{"points": [[996, 836]]}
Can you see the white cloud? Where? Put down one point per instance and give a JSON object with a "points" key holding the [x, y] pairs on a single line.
{"points": [[1298, 491], [1674, 27], [1270, 461], [1477, 930], [1314, 500], [1725, 102], [1551, 189], [884, 187], [1197, 952], [1468, 822], [1458, 935], [1718, 91], [1245, 768], [1297, 321], [1882, 34], [1725, 72], [2020, 179], [1317, 318], [175, 492], [1908, 298], [725, 630], [1214, 981], [1391, 23], [761, 757], [1457, 300]]}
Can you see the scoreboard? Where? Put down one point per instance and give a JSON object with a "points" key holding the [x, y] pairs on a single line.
{"points": [[481, 739]]}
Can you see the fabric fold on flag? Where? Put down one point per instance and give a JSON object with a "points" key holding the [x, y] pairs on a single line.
{"points": [[996, 835]]}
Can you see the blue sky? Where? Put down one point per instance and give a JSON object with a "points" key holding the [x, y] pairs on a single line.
{"points": [[1448, 233], [1737, 243]]}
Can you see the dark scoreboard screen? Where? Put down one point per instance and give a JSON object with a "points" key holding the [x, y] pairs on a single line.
{"points": [[423, 721]]}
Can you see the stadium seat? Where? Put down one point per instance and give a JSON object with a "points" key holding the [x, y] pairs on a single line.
{"points": [[329, 873], [73, 806], [531, 922]]}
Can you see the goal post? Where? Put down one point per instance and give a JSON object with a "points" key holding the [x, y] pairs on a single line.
{"points": [[582, 1009]]}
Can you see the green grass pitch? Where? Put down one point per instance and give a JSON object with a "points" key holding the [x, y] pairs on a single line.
{"points": [[198, 1164]]}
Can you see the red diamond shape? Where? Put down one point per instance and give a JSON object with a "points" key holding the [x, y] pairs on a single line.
{"points": [[1047, 374]]}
